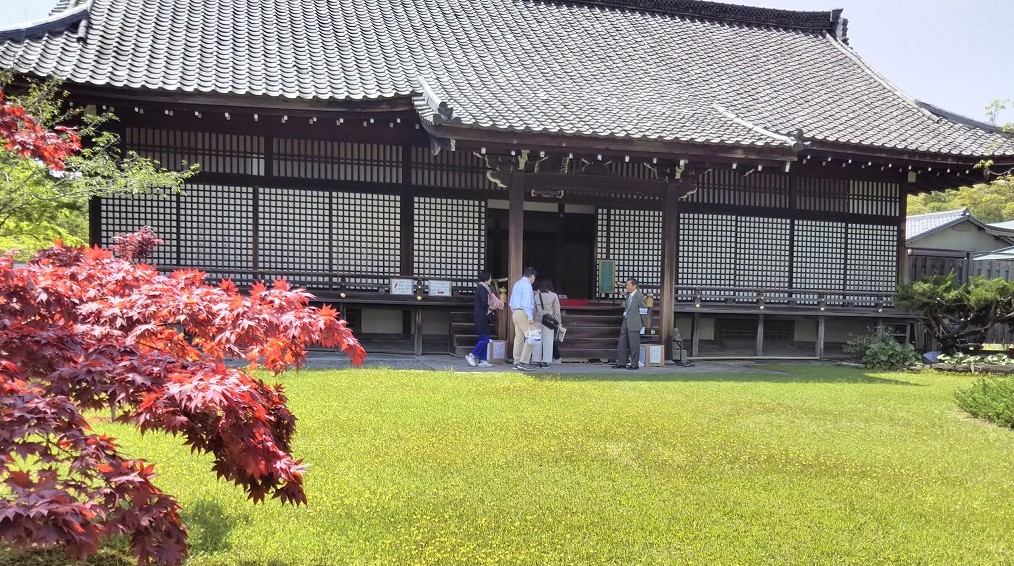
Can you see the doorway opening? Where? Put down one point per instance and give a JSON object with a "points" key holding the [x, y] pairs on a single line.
{"points": [[559, 245]]}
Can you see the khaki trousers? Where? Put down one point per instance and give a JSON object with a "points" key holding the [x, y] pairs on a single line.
{"points": [[522, 349]]}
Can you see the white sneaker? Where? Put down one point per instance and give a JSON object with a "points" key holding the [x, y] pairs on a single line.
{"points": [[485, 364], [470, 359]]}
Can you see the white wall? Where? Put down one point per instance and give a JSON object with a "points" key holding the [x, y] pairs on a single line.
{"points": [[962, 237]]}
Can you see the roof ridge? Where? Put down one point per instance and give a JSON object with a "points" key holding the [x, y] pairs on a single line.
{"points": [[52, 22], [796, 142], [829, 21], [955, 212], [959, 118]]}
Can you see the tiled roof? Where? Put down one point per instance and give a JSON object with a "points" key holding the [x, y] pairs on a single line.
{"points": [[920, 225], [634, 69]]}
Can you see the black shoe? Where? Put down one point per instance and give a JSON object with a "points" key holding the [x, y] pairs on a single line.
{"points": [[633, 367], [620, 366]]}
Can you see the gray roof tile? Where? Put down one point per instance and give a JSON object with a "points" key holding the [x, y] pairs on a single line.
{"points": [[670, 70], [919, 225]]}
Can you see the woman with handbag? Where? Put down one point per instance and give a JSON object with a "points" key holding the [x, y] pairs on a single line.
{"points": [[487, 304], [547, 320]]}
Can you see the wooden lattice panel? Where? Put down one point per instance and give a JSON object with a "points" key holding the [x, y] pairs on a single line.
{"points": [[449, 237], [634, 239], [295, 228], [449, 169], [216, 153], [367, 235], [825, 195], [734, 251], [872, 261], [762, 254], [216, 230], [880, 199], [339, 161], [731, 187], [819, 258], [126, 214], [632, 169], [707, 255]]}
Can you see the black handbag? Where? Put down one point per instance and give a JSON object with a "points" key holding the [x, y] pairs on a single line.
{"points": [[491, 318], [548, 320]]}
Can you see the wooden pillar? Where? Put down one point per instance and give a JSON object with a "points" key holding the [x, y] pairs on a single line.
{"points": [[95, 221], [515, 243], [418, 331], [695, 331], [820, 337], [759, 348], [670, 251], [902, 267]]}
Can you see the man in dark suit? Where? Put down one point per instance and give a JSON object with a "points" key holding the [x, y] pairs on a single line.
{"points": [[628, 349]]}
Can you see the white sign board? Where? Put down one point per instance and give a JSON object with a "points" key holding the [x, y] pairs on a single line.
{"points": [[440, 288], [401, 287], [497, 351]]}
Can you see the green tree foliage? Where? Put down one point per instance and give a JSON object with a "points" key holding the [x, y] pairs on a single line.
{"points": [[39, 202], [959, 314], [991, 201]]}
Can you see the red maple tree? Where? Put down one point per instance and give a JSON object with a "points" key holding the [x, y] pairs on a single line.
{"points": [[81, 329], [22, 134]]}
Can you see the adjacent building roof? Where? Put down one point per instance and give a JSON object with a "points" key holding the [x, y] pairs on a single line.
{"points": [[1003, 254], [1005, 226], [658, 70], [922, 225]]}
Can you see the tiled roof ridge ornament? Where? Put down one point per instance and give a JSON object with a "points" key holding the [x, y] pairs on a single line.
{"points": [[75, 13], [443, 113], [829, 21], [795, 142]]}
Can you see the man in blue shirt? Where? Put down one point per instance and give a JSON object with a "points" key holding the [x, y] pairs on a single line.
{"points": [[522, 305]]}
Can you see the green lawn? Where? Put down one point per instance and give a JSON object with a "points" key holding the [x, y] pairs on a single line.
{"points": [[822, 465]]}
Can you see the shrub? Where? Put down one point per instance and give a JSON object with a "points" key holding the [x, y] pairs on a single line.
{"points": [[879, 350], [991, 399]]}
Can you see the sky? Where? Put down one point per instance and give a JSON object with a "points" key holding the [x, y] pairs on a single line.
{"points": [[954, 54]]}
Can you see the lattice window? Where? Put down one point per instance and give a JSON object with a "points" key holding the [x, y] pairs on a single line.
{"points": [[731, 187], [826, 195], [762, 254], [450, 237], [340, 161], [125, 214], [216, 153], [734, 251], [295, 228], [216, 230], [367, 235], [450, 169], [872, 261], [819, 258], [634, 239], [867, 197], [707, 252]]}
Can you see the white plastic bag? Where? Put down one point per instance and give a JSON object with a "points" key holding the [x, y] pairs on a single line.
{"points": [[533, 337]]}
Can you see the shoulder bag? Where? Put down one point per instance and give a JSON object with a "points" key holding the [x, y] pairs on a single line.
{"points": [[548, 320]]}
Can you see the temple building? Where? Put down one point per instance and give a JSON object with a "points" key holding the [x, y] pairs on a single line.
{"points": [[743, 163]]}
